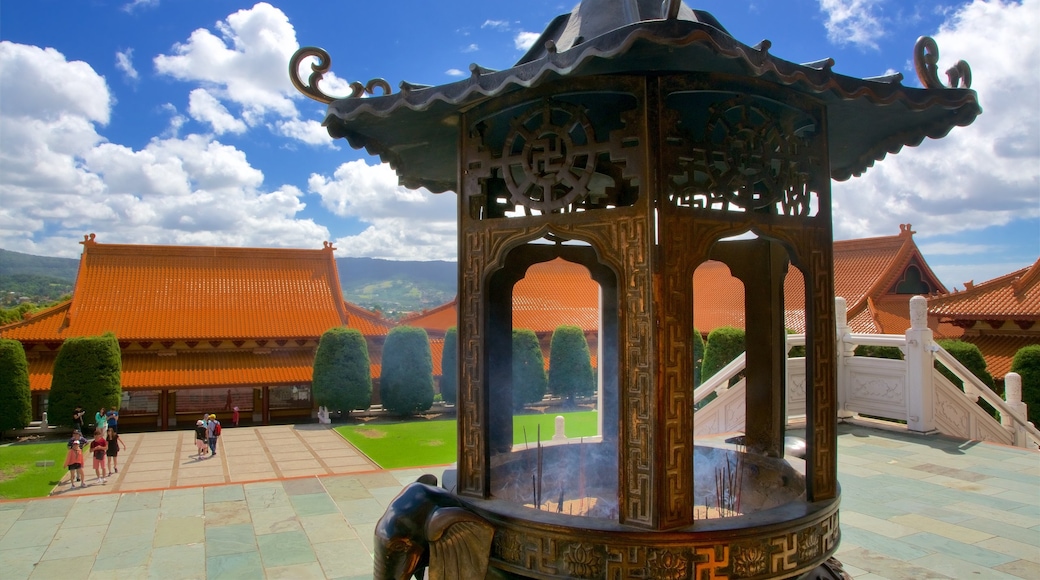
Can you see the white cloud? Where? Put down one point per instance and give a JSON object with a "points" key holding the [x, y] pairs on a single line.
{"points": [[244, 65], [525, 40], [135, 4], [205, 108], [403, 223], [454, 72], [125, 63], [309, 131], [979, 176], [856, 22], [496, 24], [62, 179], [471, 48], [30, 85]]}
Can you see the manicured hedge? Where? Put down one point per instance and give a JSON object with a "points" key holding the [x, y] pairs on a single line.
{"points": [[449, 366], [570, 366], [1027, 364], [15, 400], [724, 344], [968, 355], [406, 381], [88, 373], [342, 379], [530, 382]]}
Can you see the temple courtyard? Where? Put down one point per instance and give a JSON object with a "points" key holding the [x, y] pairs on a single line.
{"points": [[300, 502]]}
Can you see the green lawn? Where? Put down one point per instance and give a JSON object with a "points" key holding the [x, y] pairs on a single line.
{"points": [[418, 443], [19, 476]]}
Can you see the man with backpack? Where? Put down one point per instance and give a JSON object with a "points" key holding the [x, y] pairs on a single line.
{"points": [[212, 432]]}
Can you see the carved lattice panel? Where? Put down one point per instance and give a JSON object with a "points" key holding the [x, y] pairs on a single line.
{"points": [[578, 151]]}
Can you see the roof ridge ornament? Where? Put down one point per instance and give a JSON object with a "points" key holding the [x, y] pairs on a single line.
{"points": [[926, 59], [310, 88]]}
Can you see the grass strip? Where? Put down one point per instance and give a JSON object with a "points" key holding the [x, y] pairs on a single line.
{"points": [[19, 475], [412, 443]]}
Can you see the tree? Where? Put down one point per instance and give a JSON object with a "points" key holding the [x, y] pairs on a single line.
{"points": [[87, 372], [529, 380], [15, 400], [342, 374], [968, 355], [1027, 364], [406, 381], [570, 365], [724, 344], [449, 366]]}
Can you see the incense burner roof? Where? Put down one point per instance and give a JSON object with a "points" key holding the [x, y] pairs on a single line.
{"points": [[416, 129]]}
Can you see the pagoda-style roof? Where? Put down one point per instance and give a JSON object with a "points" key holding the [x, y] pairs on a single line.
{"points": [[416, 130], [1014, 296], [169, 293]]}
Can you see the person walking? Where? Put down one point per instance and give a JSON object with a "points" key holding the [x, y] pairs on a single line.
{"points": [[112, 419], [98, 447], [234, 417], [77, 418], [200, 437], [101, 422], [112, 452], [74, 463], [212, 432]]}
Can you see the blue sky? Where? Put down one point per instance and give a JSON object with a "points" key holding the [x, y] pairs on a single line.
{"points": [[174, 122]]}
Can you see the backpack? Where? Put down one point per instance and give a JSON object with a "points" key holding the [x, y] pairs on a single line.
{"points": [[216, 429]]}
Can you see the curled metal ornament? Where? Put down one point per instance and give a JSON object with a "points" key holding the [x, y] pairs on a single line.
{"points": [[319, 68], [926, 59]]}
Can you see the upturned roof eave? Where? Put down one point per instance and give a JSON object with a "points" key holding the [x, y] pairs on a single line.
{"points": [[670, 46]]}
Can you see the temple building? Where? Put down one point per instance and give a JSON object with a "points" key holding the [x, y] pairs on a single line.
{"points": [[201, 329], [999, 316]]}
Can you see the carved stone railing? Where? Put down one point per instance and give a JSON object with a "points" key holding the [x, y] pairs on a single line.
{"points": [[910, 391]]}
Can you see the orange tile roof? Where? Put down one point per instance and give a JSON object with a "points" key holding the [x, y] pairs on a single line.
{"points": [[554, 293], [440, 318], [368, 322], [202, 369], [1013, 296], [142, 292]]}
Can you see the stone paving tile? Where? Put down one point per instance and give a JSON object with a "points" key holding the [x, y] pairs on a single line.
{"points": [[7, 519], [314, 504], [75, 542], [238, 566], [133, 523], [1020, 569], [1012, 548], [29, 533], [951, 531], [888, 567], [19, 563], [285, 549], [893, 548], [139, 500], [266, 495], [234, 539], [877, 525], [227, 513], [58, 507], [179, 531], [178, 562], [275, 520], [303, 486], [124, 552], [310, 570], [344, 558], [68, 568], [224, 493], [327, 528], [955, 567], [933, 542]]}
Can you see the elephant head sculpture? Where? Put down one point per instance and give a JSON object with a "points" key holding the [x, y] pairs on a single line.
{"points": [[428, 526]]}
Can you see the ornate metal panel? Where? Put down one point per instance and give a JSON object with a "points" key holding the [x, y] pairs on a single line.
{"points": [[555, 151], [724, 150]]}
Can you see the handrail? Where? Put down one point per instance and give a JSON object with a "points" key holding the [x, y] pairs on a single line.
{"points": [[985, 392], [860, 338], [720, 378]]}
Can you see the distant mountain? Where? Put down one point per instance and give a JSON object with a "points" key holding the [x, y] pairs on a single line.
{"points": [[395, 288]]}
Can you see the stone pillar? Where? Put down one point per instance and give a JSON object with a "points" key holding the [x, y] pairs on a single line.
{"points": [[1013, 398], [920, 392], [842, 351]]}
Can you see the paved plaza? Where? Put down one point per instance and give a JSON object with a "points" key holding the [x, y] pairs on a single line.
{"points": [[300, 502]]}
